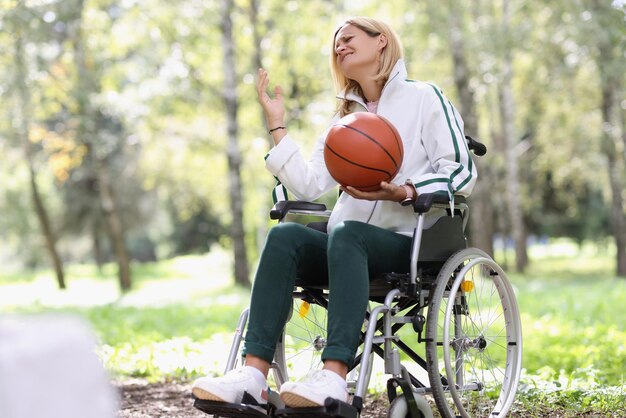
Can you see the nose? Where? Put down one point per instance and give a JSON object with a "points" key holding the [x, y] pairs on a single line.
{"points": [[340, 49]]}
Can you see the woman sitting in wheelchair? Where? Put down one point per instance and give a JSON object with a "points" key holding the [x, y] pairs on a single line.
{"points": [[369, 233]]}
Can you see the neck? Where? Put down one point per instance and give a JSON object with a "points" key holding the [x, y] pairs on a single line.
{"points": [[371, 90]]}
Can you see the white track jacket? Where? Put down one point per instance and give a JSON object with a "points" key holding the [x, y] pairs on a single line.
{"points": [[436, 157]]}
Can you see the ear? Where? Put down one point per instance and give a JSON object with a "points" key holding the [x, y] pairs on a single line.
{"points": [[382, 42]]}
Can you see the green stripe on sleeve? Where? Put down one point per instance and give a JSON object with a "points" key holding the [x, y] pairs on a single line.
{"points": [[455, 141], [469, 157], [470, 163], [431, 181], [283, 190], [457, 155], [465, 182]]}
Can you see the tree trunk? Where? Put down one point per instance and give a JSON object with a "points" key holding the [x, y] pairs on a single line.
{"points": [[87, 84], [507, 115], [40, 208], [257, 56], [114, 225], [257, 62], [611, 84], [622, 118], [618, 220], [481, 213], [98, 255], [233, 152]]}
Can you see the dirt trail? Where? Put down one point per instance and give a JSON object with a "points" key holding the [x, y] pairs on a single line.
{"points": [[139, 399]]}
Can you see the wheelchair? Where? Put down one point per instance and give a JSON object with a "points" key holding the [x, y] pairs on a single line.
{"points": [[462, 345]]}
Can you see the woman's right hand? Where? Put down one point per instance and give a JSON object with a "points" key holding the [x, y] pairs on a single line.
{"points": [[274, 108]]}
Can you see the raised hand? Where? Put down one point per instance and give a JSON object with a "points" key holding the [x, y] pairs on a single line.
{"points": [[274, 108]]}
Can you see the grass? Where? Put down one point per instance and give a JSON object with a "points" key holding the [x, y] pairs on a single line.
{"points": [[178, 314], [573, 316], [574, 326], [178, 320]]}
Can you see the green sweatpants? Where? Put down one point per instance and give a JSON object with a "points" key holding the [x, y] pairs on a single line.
{"points": [[346, 257]]}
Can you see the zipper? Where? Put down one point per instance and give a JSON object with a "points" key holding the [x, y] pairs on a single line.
{"points": [[385, 86], [379, 103], [372, 213], [360, 101]]}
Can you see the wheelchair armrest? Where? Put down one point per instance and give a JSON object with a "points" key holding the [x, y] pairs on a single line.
{"points": [[282, 208], [425, 201], [478, 148]]}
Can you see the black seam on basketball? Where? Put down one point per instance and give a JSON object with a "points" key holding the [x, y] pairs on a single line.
{"points": [[357, 164], [374, 141], [394, 132]]}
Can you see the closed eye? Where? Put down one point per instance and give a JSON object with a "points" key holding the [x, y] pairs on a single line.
{"points": [[344, 39]]}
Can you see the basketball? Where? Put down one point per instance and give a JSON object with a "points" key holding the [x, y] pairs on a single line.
{"points": [[362, 149]]}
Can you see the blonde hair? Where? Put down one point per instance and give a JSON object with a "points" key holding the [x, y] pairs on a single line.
{"points": [[390, 54]]}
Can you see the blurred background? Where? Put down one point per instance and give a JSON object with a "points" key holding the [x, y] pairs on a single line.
{"points": [[132, 171]]}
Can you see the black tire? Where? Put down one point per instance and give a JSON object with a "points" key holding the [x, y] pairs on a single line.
{"points": [[474, 345]]}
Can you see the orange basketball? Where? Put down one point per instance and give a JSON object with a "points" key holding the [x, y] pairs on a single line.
{"points": [[362, 149]]}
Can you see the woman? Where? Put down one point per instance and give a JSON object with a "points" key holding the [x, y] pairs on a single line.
{"points": [[368, 232]]}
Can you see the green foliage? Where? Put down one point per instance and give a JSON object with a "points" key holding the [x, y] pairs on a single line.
{"points": [[540, 400], [571, 318], [179, 312], [195, 233], [154, 342]]}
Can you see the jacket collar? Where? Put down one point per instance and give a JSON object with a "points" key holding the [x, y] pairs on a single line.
{"points": [[397, 74]]}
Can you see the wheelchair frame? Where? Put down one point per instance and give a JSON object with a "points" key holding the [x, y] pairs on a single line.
{"points": [[449, 345]]}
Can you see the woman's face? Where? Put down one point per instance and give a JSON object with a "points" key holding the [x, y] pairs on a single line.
{"points": [[357, 53]]}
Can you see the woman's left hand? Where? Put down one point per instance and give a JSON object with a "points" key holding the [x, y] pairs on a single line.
{"points": [[387, 191]]}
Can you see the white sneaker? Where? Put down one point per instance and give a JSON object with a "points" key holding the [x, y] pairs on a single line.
{"points": [[231, 387], [314, 389]]}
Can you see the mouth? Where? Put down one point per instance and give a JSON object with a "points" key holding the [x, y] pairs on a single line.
{"points": [[343, 57]]}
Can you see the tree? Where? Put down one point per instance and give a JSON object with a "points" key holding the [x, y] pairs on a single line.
{"points": [[481, 215], [90, 121], [24, 109], [233, 152], [610, 62], [507, 117]]}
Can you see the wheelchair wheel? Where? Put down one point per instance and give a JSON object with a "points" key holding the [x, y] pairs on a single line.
{"points": [[399, 408], [304, 339], [474, 339], [302, 343]]}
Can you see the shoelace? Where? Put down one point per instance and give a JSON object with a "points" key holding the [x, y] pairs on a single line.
{"points": [[320, 380], [316, 375]]}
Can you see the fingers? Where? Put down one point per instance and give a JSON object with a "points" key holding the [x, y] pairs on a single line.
{"points": [[261, 85], [350, 190], [386, 192], [386, 186], [358, 194], [278, 93]]}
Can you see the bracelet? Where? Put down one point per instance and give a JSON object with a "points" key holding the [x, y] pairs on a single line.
{"points": [[276, 128]]}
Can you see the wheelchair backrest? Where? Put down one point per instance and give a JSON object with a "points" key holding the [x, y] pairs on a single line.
{"points": [[442, 240]]}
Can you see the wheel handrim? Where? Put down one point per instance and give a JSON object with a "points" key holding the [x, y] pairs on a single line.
{"points": [[486, 345]]}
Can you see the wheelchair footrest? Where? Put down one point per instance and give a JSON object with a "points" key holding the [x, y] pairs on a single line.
{"points": [[332, 409], [222, 409]]}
